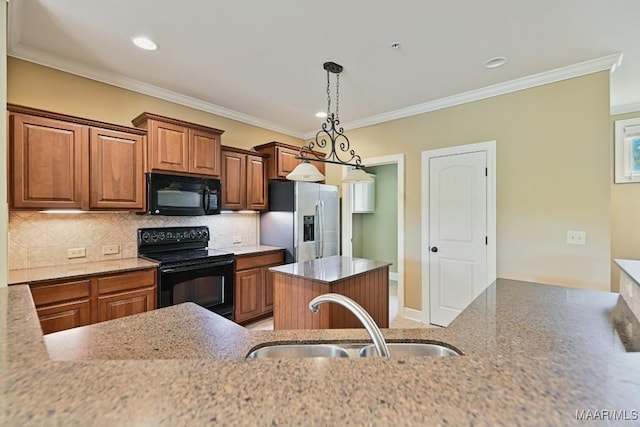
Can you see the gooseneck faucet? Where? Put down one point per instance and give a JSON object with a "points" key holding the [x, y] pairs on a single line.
{"points": [[360, 313]]}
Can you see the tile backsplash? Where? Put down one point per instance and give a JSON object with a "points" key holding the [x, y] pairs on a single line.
{"points": [[40, 239]]}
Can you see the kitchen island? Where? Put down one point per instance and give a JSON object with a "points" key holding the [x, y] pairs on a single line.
{"points": [[533, 355], [295, 285]]}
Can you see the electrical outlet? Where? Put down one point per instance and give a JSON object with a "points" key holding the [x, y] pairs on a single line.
{"points": [[76, 253], [576, 237], [110, 249], [237, 239]]}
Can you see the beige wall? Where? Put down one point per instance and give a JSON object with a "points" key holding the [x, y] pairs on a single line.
{"points": [[553, 175], [625, 216], [3, 133], [42, 87]]}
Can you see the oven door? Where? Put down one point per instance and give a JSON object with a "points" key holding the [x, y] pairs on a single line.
{"points": [[209, 285]]}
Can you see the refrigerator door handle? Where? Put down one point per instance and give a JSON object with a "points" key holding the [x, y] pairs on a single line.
{"points": [[321, 229], [317, 231]]}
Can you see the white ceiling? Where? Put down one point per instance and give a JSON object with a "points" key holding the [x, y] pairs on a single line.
{"points": [[261, 61]]}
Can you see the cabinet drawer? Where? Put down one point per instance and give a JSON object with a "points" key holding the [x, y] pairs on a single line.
{"points": [[126, 281], [66, 315], [49, 293], [244, 262]]}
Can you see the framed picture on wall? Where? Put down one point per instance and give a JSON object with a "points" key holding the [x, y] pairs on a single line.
{"points": [[627, 151]]}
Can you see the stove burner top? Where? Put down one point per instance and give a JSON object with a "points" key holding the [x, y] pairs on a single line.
{"points": [[178, 246]]}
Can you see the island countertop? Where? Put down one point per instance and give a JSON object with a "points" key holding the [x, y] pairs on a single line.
{"points": [[330, 269], [533, 355]]}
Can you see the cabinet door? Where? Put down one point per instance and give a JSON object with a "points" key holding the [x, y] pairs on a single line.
{"points": [[46, 156], [115, 164], [234, 187], [267, 290], [121, 304], [247, 296], [169, 147], [257, 198], [204, 153], [66, 315], [286, 161]]}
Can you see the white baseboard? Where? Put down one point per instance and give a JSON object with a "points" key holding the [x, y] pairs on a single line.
{"points": [[393, 276], [412, 314]]}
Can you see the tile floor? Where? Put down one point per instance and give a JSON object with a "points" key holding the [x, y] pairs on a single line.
{"points": [[395, 321]]}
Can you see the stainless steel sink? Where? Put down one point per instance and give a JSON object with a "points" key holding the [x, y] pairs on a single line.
{"points": [[349, 349], [297, 351], [411, 349]]}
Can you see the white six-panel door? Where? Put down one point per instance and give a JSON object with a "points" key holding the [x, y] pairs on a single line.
{"points": [[457, 233]]}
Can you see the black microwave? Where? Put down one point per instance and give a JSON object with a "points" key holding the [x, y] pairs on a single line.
{"points": [[182, 195]]}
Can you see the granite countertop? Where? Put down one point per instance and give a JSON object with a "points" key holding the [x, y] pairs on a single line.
{"points": [[31, 275], [329, 269], [533, 355], [250, 249]]}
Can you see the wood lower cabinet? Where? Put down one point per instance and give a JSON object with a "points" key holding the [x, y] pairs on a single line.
{"points": [[65, 162], [62, 305], [181, 147], [244, 179], [68, 304], [126, 294], [253, 285], [283, 159]]}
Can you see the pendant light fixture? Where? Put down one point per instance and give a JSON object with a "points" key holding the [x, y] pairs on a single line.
{"points": [[330, 136]]}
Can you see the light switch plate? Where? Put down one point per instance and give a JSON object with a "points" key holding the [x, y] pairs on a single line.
{"points": [[576, 237]]}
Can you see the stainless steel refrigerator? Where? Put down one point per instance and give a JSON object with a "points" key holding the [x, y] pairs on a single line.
{"points": [[304, 218]]}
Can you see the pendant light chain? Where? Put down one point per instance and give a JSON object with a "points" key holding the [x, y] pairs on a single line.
{"points": [[328, 95], [338, 97]]}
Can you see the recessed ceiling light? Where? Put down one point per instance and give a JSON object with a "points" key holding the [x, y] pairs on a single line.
{"points": [[144, 43], [495, 62], [321, 114]]}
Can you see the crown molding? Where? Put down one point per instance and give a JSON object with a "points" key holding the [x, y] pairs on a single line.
{"points": [[564, 73], [625, 108], [52, 61]]}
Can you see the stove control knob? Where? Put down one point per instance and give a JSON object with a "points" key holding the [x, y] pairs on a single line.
{"points": [[205, 234], [169, 235], [162, 235], [154, 236], [199, 233], [146, 236], [193, 234]]}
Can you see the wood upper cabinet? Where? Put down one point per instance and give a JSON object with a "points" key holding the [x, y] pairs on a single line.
{"points": [[283, 159], [64, 304], [244, 179], [181, 147], [253, 285], [115, 165], [65, 162], [46, 162]]}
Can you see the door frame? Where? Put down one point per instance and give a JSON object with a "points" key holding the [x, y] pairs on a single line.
{"points": [[489, 147], [346, 244]]}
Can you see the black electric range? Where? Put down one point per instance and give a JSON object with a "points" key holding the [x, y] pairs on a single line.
{"points": [[188, 270]]}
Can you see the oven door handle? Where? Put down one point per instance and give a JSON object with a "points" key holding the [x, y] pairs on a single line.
{"points": [[195, 267]]}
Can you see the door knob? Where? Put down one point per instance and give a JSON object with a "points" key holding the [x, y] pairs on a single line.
{"points": [[434, 249]]}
